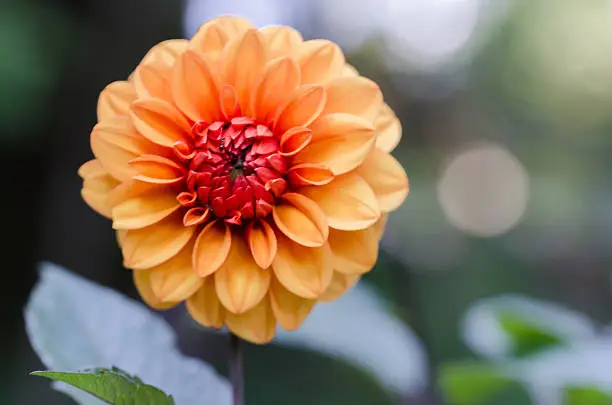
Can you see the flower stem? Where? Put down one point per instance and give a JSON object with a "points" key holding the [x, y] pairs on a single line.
{"points": [[236, 369]]}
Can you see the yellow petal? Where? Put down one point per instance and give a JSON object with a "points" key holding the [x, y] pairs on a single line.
{"points": [[262, 242], [157, 170], [212, 247], [304, 271], [289, 309], [160, 122], [204, 306], [142, 281], [301, 219], [242, 63], [152, 80], [340, 141], [256, 326], [388, 128], [97, 184], [175, 280], [144, 210], [166, 52], [386, 177], [320, 61], [283, 41], [354, 95], [114, 142], [354, 252], [301, 108], [340, 284], [280, 77], [201, 101], [348, 202], [210, 40], [115, 100], [153, 245]]}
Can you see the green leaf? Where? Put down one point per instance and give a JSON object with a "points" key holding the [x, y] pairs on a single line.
{"points": [[582, 395], [113, 386], [472, 383], [527, 337]]}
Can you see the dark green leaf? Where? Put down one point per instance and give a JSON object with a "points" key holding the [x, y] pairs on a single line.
{"points": [[471, 383], [528, 338], [113, 386], [586, 396]]}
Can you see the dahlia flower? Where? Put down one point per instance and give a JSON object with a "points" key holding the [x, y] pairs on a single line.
{"points": [[247, 173]]}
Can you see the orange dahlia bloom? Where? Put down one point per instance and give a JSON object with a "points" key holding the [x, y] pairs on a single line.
{"points": [[247, 172]]}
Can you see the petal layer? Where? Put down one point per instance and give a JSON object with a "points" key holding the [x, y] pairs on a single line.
{"points": [[289, 309], [354, 252], [160, 122], [211, 248], [354, 95], [262, 242], [387, 178], [301, 220], [204, 306], [282, 40], [340, 284], [257, 325], [320, 61], [388, 128], [142, 281], [145, 209], [115, 100]]}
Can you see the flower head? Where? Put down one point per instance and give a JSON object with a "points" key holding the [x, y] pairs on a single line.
{"points": [[247, 172]]}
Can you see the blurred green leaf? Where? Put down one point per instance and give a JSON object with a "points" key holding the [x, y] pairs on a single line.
{"points": [[527, 337], [472, 383], [113, 386], [577, 395]]}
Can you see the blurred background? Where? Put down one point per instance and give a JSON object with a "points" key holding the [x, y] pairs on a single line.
{"points": [[506, 107]]}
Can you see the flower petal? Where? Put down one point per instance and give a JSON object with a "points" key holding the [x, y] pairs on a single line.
{"points": [[97, 184], [256, 326], [210, 40], [115, 100], [234, 27], [320, 61], [282, 40], [340, 284], [388, 128], [354, 95], [301, 219], [348, 202], [195, 87], [309, 174], [145, 209], [228, 100], [128, 190], [241, 284], [160, 122], [340, 141], [242, 63], [262, 242], [386, 177], [349, 71], [304, 271], [295, 140], [152, 80], [301, 108], [280, 77], [289, 309], [142, 281], [175, 280], [354, 252], [91, 168], [196, 216], [212, 248], [114, 142], [157, 170], [166, 52], [204, 306], [147, 247]]}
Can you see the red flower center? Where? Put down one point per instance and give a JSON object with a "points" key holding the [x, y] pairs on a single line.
{"points": [[235, 170]]}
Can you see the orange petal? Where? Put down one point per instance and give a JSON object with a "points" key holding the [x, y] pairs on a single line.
{"points": [[320, 61], [195, 87], [210, 39], [204, 306], [144, 210], [91, 168], [256, 326], [289, 309], [242, 63], [301, 219], [115, 100], [228, 100], [153, 245], [262, 242], [142, 281], [114, 142], [304, 271], [295, 140], [349, 70], [160, 122], [301, 109], [379, 226], [354, 95], [283, 41], [280, 77], [233, 27], [340, 284], [348, 202], [158, 170], [97, 184], [166, 52], [196, 216], [340, 141], [354, 252], [309, 174], [241, 284], [152, 80], [388, 128], [386, 177], [212, 248], [128, 190], [175, 280]]}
